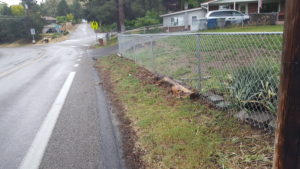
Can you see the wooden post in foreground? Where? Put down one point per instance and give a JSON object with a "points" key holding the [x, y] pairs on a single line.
{"points": [[287, 136]]}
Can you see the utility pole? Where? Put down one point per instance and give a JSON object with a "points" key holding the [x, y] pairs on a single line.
{"points": [[121, 15], [287, 136]]}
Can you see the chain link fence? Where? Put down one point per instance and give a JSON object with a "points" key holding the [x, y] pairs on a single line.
{"points": [[236, 72]]}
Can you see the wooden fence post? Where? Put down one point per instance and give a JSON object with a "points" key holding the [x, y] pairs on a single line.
{"points": [[287, 136]]}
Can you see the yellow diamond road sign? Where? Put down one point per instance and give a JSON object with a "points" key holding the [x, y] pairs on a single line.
{"points": [[94, 25]]}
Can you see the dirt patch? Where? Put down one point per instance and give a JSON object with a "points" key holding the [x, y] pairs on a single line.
{"points": [[131, 153]]}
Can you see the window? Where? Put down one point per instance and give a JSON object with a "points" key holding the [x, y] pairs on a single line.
{"points": [[237, 13], [269, 7], [177, 21], [227, 13], [194, 20], [224, 7], [216, 14], [243, 8]]}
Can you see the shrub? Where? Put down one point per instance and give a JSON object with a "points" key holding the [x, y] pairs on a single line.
{"points": [[151, 18], [70, 17], [255, 88], [19, 28], [61, 19]]}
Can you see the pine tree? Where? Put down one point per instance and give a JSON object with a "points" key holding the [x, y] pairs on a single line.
{"points": [[62, 8]]}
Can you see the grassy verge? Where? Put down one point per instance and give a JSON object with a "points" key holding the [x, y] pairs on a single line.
{"points": [[180, 133], [264, 28]]}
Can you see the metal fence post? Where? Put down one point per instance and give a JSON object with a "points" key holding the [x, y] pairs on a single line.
{"points": [[152, 54], [198, 55], [120, 45], [133, 53]]}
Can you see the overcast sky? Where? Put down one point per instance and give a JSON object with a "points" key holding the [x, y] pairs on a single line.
{"points": [[13, 2]]}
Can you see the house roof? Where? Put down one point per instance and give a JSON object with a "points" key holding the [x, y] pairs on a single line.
{"points": [[179, 12], [226, 1]]}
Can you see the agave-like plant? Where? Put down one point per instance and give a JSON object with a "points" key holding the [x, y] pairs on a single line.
{"points": [[255, 88]]}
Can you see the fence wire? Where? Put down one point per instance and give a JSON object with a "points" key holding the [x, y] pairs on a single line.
{"points": [[236, 72]]}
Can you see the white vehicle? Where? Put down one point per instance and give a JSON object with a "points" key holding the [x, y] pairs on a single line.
{"points": [[231, 16]]}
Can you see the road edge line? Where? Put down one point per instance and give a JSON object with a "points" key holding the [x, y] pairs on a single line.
{"points": [[36, 151]]}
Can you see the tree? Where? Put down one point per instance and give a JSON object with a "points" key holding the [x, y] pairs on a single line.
{"points": [[17, 10], [62, 8], [77, 10], [5, 10], [29, 3], [104, 11], [49, 8]]}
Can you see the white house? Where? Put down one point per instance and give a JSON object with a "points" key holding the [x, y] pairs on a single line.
{"points": [[183, 20]]}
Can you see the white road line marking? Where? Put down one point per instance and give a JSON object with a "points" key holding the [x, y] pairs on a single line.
{"points": [[76, 65], [37, 149]]}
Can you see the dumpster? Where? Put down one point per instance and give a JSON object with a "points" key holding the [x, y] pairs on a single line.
{"points": [[211, 23]]}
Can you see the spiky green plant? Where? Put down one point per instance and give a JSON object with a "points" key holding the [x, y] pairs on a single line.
{"points": [[255, 88]]}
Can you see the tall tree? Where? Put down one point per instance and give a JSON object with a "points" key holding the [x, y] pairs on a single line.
{"points": [[62, 8], [49, 8], [76, 9], [104, 11]]}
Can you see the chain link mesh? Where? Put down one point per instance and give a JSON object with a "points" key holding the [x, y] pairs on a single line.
{"points": [[236, 72]]}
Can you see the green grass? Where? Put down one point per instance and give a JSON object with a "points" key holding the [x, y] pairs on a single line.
{"points": [[264, 28], [179, 133]]}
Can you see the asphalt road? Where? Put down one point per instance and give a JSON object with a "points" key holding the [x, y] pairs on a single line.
{"points": [[53, 113]]}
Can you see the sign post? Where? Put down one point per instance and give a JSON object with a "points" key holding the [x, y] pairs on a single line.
{"points": [[32, 31], [95, 26]]}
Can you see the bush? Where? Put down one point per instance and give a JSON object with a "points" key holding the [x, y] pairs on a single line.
{"points": [[151, 18], [70, 17], [61, 19], [255, 88], [109, 28], [19, 28]]}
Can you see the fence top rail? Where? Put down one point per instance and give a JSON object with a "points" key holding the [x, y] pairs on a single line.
{"points": [[203, 33]]}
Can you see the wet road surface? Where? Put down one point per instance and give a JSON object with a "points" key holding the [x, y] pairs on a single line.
{"points": [[53, 113]]}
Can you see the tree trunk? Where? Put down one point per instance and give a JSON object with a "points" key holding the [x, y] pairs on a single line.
{"points": [[287, 136], [121, 16]]}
